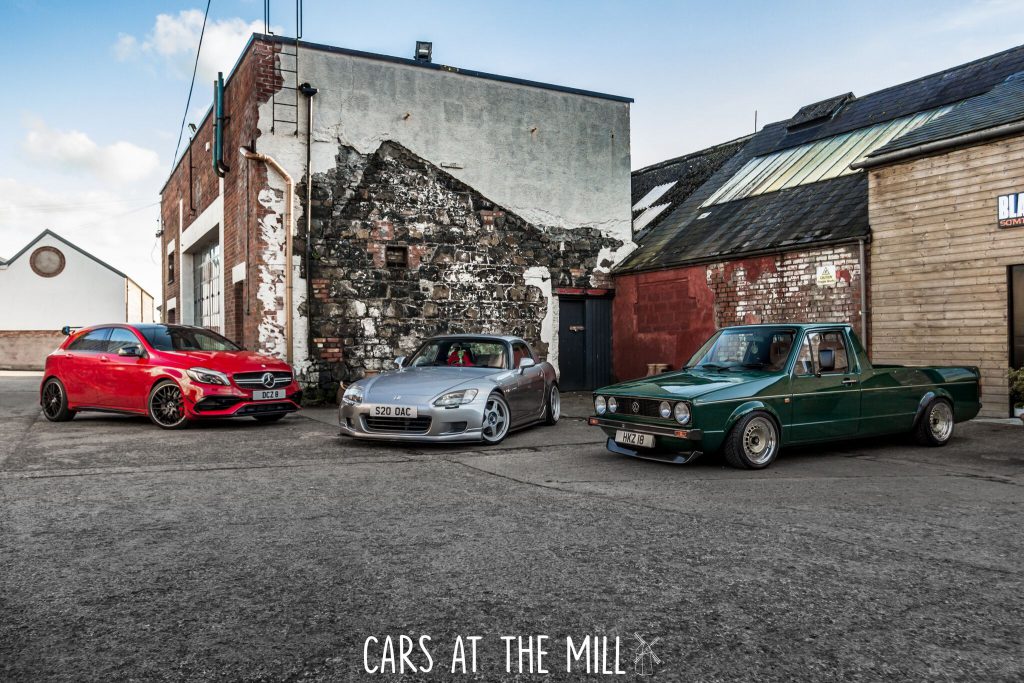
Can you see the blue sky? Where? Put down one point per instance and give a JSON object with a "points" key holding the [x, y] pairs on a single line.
{"points": [[96, 90]]}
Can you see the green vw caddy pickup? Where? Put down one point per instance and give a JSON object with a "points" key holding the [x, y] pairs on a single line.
{"points": [[750, 390]]}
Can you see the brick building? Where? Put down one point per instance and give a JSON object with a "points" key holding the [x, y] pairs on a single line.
{"points": [[425, 199], [781, 231]]}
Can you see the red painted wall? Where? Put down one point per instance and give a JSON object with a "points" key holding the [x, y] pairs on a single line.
{"points": [[659, 317]]}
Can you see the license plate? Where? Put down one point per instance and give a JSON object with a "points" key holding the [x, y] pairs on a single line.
{"points": [[634, 439], [393, 411], [267, 394]]}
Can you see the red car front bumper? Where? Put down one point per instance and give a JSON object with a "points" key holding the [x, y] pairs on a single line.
{"points": [[217, 401]]}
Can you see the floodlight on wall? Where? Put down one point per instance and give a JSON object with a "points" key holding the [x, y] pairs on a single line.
{"points": [[424, 50]]}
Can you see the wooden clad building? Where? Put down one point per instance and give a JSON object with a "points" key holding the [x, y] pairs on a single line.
{"points": [[947, 255]]}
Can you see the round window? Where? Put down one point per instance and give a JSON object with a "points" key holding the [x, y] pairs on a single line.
{"points": [[47, 261]]}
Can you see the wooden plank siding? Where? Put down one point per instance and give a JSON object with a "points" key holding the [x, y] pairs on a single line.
{"points": [[939, 262]]}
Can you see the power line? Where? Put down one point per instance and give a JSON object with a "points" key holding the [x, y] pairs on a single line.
{"points": [[188, 102]]}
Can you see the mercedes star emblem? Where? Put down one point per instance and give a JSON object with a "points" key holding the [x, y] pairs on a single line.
{"points": [[268, 380]]}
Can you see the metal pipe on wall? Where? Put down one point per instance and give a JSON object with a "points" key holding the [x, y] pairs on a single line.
{"points": [[309, 91], [288, 232], [864, 297]]}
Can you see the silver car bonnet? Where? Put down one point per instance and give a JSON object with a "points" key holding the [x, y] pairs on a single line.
{"points": [[420, 384]]}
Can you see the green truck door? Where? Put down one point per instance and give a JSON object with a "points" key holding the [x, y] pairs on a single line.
{"points": [[826, 405]]}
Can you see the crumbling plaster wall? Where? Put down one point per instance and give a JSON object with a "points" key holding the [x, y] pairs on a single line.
{"points": [[559, 161], [472, 266]]}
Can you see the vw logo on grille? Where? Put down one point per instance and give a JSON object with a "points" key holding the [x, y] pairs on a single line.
{"points": [[268, 380], [636, 407]]}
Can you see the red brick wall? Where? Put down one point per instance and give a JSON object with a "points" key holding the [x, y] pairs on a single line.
{"points": [[664, 316], [251, 84]]}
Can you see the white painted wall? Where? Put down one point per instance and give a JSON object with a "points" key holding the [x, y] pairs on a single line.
{"points": [[84, 293], [555, 158]]}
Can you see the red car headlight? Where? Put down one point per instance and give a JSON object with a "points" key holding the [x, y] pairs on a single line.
{"points": [[207, 376]]}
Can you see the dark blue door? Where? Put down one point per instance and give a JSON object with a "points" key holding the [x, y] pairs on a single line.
{"points": [[584, 342]]}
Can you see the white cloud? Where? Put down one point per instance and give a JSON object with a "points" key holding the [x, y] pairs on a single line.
{"points": [[73, 151], [126, 47], [116, 227], [174, 39]]}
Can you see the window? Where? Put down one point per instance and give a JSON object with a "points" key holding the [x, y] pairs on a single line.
{"points": [[172, 338], [462, 352], [47, 261], [519, 352], [120, 338], [396, 257], [91, 342], [745, 348], [807, 361], [206, 286], [170, 267]]}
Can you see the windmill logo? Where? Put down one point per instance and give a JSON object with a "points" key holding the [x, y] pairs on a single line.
{"points": [[644, 658]]}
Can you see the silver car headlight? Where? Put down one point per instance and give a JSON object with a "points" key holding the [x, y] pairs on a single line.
{"points": [[353, 395], [681, 413], [613, 405], [665, 410], [456, 398], [600, 405], [207, 376]]}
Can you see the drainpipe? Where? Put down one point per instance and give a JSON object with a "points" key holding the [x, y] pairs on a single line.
{"points": [[309, 91], [864, 297], [288, 230]]}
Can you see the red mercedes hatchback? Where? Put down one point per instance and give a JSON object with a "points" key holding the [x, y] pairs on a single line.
{"points": [[172, 373]]}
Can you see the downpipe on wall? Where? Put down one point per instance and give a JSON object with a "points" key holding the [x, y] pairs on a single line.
{"points": [[864, 297], [309, 91], [289, 192]]}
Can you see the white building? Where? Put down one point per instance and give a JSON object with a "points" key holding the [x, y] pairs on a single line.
{"points": [[51, 283]]}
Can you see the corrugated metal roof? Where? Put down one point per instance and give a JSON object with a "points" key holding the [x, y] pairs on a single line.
{"points": [[819, 160], [653, 196], [641, 221]]}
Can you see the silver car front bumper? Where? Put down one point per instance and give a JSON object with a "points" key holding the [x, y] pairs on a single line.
{"points": [[462, 423]]}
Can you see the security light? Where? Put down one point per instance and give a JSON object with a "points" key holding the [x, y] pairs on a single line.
{"points": [[423, 50]]}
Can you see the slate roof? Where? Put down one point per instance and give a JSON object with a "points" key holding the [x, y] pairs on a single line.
{"points": [[827, 211], [685, 174], [1001, 105]]}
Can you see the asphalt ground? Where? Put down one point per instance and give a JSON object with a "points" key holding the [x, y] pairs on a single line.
{"points": [[237, 551]]}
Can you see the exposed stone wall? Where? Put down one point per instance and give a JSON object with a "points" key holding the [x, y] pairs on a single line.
{"points": [[467, 262]]}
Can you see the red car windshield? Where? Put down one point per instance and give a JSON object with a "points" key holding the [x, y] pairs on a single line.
{"points": [[172, 338]]}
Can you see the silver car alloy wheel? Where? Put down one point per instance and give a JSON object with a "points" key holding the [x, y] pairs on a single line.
{"points": [[556, 404], [760, 440], [940, 421], [495, 424]]}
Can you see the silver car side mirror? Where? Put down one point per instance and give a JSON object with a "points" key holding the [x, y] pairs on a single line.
{"points": [[526, 363], [400, 361]]}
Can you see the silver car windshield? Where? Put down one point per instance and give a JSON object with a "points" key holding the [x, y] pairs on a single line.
{"points": [[457, 352]]}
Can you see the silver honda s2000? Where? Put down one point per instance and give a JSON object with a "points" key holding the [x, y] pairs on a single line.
{"points": [[454, 388]]}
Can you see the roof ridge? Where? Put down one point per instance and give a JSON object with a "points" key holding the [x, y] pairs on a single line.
{"points": [[690, 155], [942, 72]]}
